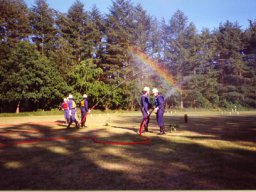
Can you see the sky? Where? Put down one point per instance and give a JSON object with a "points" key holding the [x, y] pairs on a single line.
{"points": [[203, 13]]}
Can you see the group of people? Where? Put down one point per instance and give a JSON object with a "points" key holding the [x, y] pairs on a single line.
{"points": [[158, 109], [70, 111]]}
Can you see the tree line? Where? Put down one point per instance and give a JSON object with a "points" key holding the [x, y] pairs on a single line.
{"points": [[46, 55]]}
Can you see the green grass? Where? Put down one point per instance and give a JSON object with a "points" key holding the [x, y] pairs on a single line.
{"points": [[212, 151], [35, 113], [178, 111], [54, 112]]}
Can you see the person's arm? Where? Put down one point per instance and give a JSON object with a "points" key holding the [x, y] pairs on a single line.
{"points": [[144, 104], [86, 105]]}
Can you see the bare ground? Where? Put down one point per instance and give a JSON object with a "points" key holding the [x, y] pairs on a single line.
{"points": [[211, 151]]}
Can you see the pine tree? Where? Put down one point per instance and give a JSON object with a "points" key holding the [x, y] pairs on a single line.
{"points": [[14, 22], [250, 61], [76, 33], [140, 27], [230, 64], [115, 58], [94, 33], [42, 23], [179, 50]]}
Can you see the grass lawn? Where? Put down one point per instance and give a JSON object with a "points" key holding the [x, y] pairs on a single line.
{"points": [[213, 150]]}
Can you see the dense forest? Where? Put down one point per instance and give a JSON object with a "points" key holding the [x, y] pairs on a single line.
{"points": [[46, 55]]}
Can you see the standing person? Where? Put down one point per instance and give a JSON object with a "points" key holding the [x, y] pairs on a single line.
{"points": [[145, 106], [159, 109], [64, 107], [84, 110], [72, 111]]}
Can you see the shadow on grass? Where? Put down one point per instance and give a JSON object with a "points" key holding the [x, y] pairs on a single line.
{"points": [[229, 128], [126, 128], [84, 165]]}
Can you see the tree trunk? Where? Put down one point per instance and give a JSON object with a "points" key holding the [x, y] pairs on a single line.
{"points": [[18, 107], [181, 104], [181, 100]]}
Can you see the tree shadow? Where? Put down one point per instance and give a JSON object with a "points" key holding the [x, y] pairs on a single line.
{"points": [[85, 165], [126, 128], [228, 128]]}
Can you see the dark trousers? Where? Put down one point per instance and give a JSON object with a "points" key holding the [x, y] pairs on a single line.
{"points": [[160, 118], [83, 117], [146, 120]]}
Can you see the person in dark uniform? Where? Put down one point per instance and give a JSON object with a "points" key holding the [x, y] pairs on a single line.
{"points": [[72, 111], [84, 110], [145, 106], [159, 109]]}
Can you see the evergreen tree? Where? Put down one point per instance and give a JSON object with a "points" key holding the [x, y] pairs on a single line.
{"points": [[180, 49], [76, 30], [95, 27], [230, 64], [14, 22], [115, 58], [250, 61], [140, 27], [42, 23], [87, 52]]}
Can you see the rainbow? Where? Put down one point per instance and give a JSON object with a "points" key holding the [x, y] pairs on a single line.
{"points": [[157, 67]]}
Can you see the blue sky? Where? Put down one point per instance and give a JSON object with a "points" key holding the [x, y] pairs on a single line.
{"points": [[203, 13]]}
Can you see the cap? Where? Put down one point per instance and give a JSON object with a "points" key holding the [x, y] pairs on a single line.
{"points": [[155, 90], [146, 89]]}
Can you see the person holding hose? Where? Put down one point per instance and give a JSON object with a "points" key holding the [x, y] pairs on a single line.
{"points": [[159, 109], [84, 110], [145, 106]]}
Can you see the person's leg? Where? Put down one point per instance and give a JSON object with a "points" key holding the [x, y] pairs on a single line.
{"points": [[160, 121], [77, 124], [143, 121], [73, 112], [82, 118], [66, 115], [146, 124], [70, 122]]}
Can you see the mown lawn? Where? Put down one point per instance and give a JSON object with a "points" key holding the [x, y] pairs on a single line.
{"points": [[211, 151]]}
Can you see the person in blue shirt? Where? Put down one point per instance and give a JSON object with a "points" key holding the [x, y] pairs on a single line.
{"points": [[84, 110], [145, 106], [159, 109]]}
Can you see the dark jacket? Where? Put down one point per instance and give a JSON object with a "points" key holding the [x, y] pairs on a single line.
{"points": [[145, 103], [159, 102]]}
